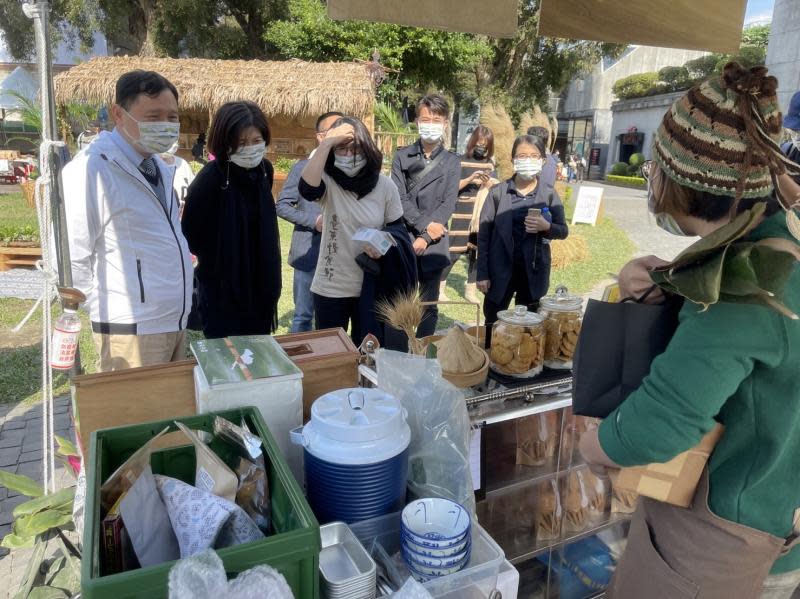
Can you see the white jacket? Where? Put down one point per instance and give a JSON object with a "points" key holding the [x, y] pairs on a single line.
{"points": [[128, 254]]}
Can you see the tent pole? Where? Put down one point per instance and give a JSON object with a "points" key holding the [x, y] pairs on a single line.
{"points": [[39, 11]]}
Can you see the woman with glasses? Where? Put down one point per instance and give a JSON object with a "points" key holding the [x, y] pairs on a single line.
{"points": [[518, 220], [344, 176]]}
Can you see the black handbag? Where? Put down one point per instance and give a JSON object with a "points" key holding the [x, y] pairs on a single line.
{"points": [[617, 345]]}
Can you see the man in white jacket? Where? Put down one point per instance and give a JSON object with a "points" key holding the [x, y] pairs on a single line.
{"points": [[128, 253]]}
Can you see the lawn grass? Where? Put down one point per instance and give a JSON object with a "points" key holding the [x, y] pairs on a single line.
{"points": [[15, 210], [20, 354]]}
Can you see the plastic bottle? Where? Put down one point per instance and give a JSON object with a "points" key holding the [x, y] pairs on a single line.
{"points": [[65, 340], [547, 215]]}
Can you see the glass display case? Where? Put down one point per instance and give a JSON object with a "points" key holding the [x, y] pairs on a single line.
{"points": [[557, 523]]}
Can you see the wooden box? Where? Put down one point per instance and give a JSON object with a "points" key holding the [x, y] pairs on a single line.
{"points": [[132, 396], [328, 359]]}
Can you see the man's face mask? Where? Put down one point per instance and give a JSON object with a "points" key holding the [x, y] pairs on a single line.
{"points": [[155, 137], [431, 132]]}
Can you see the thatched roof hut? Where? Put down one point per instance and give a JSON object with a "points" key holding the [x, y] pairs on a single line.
{"points": [[292, 93]]}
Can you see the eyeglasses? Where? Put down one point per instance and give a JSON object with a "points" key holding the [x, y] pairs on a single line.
{"points": [[646, 169]]}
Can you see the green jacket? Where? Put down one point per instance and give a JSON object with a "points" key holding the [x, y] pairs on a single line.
{"points": [[740, 365]]}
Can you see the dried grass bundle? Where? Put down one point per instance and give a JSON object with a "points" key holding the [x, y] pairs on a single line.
{"points": [[565, 252], [496, 118], [404, 312], [536, 118]]}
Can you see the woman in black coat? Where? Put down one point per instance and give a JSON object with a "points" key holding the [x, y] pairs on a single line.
{"points": [[513, 244], [232, 227]]}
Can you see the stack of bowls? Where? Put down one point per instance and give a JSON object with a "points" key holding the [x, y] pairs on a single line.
{"points": [[436, 538]]}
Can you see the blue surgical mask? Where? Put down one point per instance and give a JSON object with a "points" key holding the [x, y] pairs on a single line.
{"points": [[350, 165], [665, 221]]}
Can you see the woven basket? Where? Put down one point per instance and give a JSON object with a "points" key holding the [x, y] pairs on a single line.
{"points": [[29, 193]]}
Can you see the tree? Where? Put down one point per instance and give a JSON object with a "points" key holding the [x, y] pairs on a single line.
{"points": [[522, 71], [423, 57], [756, 35], [636, 86], [675, 78]]}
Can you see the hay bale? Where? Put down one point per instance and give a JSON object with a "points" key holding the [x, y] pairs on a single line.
{"points": [[565, 252], [496, 118]]}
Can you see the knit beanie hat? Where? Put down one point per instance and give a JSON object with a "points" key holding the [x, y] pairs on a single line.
{"points": [[721, 137]]}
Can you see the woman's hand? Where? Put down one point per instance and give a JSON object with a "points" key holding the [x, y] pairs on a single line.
{"points": [[372, 252], [536, 224], [339, 136], [484, 286], [635, 281]]}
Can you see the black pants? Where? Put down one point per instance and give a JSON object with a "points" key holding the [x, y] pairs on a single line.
{"points": [[333, 312], [518, 286], [429, 292]]}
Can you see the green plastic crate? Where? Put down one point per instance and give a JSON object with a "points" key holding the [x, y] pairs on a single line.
{"points": [[293, 549]]}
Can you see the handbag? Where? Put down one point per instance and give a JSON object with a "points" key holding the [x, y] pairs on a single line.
{"points": [[615, 349]]}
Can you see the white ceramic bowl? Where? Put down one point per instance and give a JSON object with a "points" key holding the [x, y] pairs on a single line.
{"points": [[435, 519], [417, 560], [431, 544], [431, 552], [428, 573]]}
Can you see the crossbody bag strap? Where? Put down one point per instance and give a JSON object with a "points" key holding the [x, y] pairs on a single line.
{"points": [[412, 181]]}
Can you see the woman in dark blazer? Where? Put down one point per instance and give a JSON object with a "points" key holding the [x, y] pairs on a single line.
{"points": [[513, 245]]}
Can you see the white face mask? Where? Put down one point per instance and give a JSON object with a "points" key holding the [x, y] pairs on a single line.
{"points": [[528, 168], [431, 132], [155, 137], [796, 140], [249, 156], [665, 221], [350, 165], [173, 149]]}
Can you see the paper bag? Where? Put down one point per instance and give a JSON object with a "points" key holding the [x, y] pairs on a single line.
{"points": [[211, 474], [674, 482]]}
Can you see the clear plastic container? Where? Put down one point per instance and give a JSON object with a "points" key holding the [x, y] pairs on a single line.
{"points": [[562, 315], [480, 575], [518, 341]]}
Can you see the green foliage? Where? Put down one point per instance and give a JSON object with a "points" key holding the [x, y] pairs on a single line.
{"points": [[626, 181], [676, 78], [23, 485], [389, 120], [13, 233], [619, 168], [635, 86], [196, 166], [424, 57], [756, 35], [282, 164], [637, 159], [633, 170]]}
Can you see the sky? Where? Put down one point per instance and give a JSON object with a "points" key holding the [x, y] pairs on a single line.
{"points": [[758, 11]]}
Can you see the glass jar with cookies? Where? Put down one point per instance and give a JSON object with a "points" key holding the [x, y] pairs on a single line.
{"points": [[517, 347], [562, 315]]}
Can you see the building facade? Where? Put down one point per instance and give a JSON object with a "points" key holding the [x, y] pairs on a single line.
{"points": [[783, 53], [585, 114]]}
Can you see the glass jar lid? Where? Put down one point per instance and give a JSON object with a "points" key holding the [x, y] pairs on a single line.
{"points": [[520, 316], [562, 301]]}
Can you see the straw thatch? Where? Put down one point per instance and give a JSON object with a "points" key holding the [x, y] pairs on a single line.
{"points": [[536, 118], [292, 88], [565, 252]]}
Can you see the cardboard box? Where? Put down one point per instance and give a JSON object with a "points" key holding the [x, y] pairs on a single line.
{"points": [[328, 359], [674, 482]]}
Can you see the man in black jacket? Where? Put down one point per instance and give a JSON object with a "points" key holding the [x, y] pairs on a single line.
{"points": [[307, 219], [427, 175]]}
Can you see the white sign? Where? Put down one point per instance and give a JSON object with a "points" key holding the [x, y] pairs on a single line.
{"points": [[5, 166], [587, 207]]}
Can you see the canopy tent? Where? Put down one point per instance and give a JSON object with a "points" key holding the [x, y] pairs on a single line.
{"points": [[291, 93], [497, 19], [714, 25], [21, 82]]}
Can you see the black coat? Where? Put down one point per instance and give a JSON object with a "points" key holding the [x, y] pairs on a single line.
{"points": [[293, 207], [231, 226], [432, 200], [496, 241], [793, 154], [396, 273]]}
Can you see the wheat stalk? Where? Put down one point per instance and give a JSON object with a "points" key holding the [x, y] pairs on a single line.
{"points": [[404, 312]]}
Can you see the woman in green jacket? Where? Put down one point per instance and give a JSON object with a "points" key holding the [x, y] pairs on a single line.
{"points": [[732, 362]]}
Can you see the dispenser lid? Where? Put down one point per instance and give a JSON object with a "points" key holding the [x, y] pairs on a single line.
{"points": [[358, 415]]}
